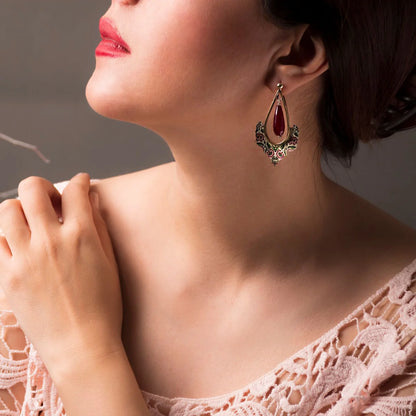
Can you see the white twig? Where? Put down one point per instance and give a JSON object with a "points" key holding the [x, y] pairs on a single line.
{"points": [[13, 192], [8, 194], [25, 145]]}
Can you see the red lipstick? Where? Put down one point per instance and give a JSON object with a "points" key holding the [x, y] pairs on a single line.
{"points": [[112, 43]]}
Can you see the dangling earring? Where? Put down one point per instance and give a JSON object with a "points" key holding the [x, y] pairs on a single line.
{"points": [[277, 152]]}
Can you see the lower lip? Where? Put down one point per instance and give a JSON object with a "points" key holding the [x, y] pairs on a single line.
{"points": [[110, 48]]}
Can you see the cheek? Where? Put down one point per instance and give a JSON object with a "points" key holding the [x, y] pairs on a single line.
{"points": [[190, 59], [191, 52], [199, 59]]}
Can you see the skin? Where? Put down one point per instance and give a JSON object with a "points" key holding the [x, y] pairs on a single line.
{"points": [[220, 237], [247, 236], [223, 69], [60, 280]]}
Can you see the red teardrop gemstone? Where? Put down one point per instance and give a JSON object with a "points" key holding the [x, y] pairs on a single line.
{"points": [[279, 121]]}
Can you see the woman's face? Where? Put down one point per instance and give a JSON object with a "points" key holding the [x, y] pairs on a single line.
{"points": [[191, 61]]}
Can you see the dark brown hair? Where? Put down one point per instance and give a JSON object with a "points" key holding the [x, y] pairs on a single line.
{"points": [[371, 51]]}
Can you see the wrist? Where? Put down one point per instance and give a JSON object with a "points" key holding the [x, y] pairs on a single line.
{"points": [[101, 383], [82, 359]]}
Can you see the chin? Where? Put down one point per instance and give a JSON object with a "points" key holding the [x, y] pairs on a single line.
{"points": [[103, 100], [107, 97]]}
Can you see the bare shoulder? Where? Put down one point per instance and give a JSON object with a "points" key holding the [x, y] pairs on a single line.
{"points": [[378, 222], [128, 183], [385, 245], [129, 202], [132, 189]]}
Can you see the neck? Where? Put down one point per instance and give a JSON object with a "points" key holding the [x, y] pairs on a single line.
{"points": [[234, 211]]}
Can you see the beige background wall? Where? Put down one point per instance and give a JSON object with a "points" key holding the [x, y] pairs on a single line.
{"points": [[47, 49]]}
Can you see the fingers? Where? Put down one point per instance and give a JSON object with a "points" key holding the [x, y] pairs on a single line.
{"points": [[40, 202], [14, 226], [76, 205], [41, 205]]}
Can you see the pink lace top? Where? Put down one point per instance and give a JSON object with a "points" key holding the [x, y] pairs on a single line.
{"points": [[365, 365]]}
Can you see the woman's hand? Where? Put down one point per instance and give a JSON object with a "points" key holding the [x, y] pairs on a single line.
{"points": [[60, 277]]}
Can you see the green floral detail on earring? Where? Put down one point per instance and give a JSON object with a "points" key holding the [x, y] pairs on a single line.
{"points": [[277, 151]]}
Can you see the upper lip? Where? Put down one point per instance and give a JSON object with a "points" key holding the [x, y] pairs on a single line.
{"points": [[109, 30]]}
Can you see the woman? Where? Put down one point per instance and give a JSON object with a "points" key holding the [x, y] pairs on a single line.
{"points": [[239, 254]]}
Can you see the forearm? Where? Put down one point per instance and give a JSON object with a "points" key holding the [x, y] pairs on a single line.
{"points": [[105, 387]]}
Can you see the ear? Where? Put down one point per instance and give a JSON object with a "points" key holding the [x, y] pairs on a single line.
{"points": [[299, 61]]}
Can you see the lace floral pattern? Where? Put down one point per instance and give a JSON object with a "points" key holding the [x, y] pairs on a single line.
{"points": [[372, 371], [374, 374]]}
